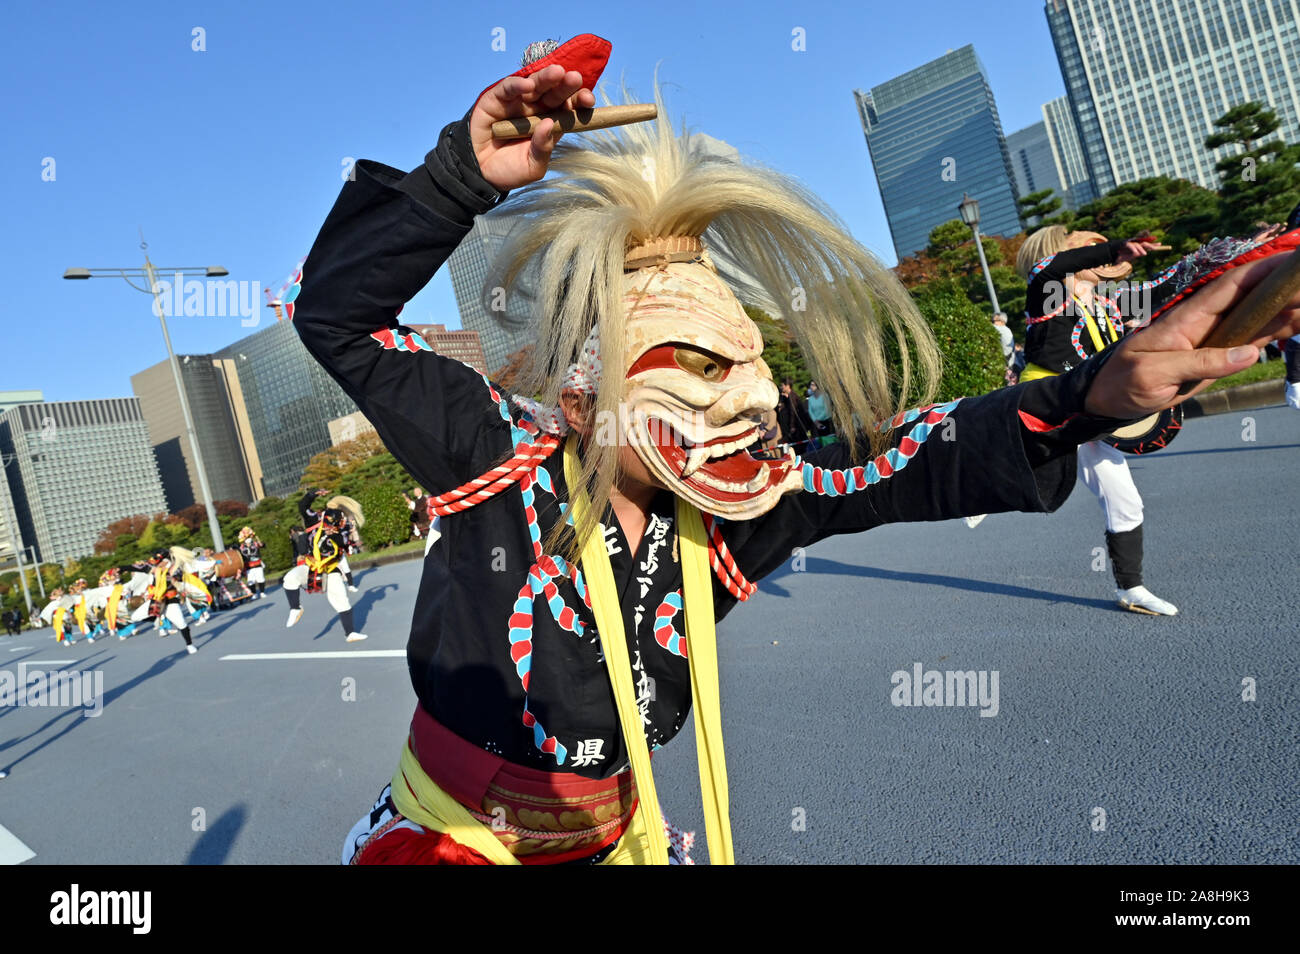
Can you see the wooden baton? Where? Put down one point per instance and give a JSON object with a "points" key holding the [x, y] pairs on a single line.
{"points": [[579, 120]]}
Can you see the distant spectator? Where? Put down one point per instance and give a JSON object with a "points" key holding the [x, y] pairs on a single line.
{"points": [[819, 410], [418, 504], [792, 414], [1008, 341]]}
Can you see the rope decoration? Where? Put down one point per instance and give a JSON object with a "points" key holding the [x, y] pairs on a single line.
{"points": [[837, 483], [495, 480], [724, 564]]}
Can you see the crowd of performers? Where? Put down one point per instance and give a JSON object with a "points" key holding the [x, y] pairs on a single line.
{"points": [[166, 588], [177, 589]]}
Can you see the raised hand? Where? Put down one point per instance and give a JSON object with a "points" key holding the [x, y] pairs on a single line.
{"points": [[508, 164], [1138, 246], [1151, 366]]}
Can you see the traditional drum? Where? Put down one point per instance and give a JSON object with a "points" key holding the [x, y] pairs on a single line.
{"points": [[229, 563], [1149, 434]]}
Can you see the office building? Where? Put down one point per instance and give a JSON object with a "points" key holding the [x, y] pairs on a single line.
{"points": [[225, 437], [1146, 80], [78, 466], [501, 320], [934, 135], [461, 345], [287, 399], [1032, 161], [10, 399], [1071, 166]]}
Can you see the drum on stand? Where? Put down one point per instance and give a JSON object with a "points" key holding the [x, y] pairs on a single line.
{"points": [[1149, 434], [229, 563]]}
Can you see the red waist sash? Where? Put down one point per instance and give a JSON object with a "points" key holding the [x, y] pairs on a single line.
{"points": [[542, 817]]}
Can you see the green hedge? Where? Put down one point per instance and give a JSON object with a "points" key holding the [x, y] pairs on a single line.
{"points": [[968, 343], [388, 519]]}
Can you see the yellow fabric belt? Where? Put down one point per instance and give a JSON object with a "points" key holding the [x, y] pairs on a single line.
{"points": [[419, 798]]}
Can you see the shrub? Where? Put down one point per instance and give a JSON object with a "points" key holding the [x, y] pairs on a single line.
{"points": [[388, 521], [968, 343]]}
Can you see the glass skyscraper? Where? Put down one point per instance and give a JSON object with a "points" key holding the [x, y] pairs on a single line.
{"points": [[1071, 166], [77, 467], [289, 400], [1146, 80], [934, 134], [1032, 160], [470, 266]]}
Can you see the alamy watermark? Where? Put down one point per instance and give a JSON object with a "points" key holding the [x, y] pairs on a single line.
{"points": [[209, 298], [948, 688], [58, 689]]}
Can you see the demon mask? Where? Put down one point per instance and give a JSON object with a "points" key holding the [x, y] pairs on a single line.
{"points": [[696, 389]]}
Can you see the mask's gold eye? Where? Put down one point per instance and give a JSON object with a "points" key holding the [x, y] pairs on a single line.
{"points": [[703, 364]]}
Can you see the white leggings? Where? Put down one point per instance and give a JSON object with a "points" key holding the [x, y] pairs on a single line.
{"points": [[1104, 470], [176, 615], [336, 591]]}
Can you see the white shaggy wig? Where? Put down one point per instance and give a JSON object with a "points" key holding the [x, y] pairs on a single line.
{"points": [[771, 240]]}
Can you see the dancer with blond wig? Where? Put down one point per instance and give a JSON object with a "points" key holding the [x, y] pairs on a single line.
{"points": [[594, 531]]}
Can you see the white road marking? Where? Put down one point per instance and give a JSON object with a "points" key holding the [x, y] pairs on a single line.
{"points": [[13, 851], [18, 649], [342, 654]]}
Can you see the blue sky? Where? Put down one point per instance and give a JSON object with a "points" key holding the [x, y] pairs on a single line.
{"points": [[232, 156]]}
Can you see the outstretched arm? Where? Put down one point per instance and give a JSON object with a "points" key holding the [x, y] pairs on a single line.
{"points": [[384, 239]]}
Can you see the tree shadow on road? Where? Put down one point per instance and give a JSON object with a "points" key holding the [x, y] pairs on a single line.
{"points": [[213, 846], [829, 567]]}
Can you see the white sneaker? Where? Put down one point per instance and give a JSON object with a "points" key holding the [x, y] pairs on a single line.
{"points": [[974, 522], [294, 616], [1141, 600], [351, 588], [1293, 395], [356, 637], [191, 649]]}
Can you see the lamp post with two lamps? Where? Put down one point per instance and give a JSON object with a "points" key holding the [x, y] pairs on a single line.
{"points": [[149, 274]]}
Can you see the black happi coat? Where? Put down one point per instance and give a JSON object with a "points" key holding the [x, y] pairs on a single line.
{"points": [[522, 677], [1049, 344]]}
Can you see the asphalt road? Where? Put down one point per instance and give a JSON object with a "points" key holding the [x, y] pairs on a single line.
{"points": [[1118, 738]]}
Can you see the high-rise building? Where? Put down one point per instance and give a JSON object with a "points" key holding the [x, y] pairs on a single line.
{"points": [[8, 516], [10, 399], [1071, 166], [499, 319], [1147, 80], [1032, 160], [934, 135], [231, 463], [77, 466], [462, 345], [10, 537], [287, 398]]}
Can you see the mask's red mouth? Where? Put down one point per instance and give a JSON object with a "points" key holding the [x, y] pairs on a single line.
{"points": [[721, 469]]}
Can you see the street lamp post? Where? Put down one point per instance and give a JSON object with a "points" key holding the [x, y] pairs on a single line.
{"points": [[36, 569], [150, 275], [970, 214]]}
